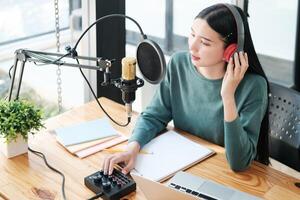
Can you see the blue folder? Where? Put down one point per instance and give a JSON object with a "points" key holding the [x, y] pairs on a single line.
{"points": [[85, 132]]}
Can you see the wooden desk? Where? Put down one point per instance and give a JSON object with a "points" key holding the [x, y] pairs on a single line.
{"points": [[27, 177]]}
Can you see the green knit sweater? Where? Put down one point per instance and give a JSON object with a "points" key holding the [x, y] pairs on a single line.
{"points": [[195, 105]]}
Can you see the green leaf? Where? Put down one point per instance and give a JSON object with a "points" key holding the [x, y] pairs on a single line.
{"points": [[19, 117]]}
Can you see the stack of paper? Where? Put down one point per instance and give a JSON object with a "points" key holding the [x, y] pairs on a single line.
{"points": [[89, 137]]}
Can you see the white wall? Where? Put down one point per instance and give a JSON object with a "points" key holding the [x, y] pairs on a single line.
{"points": [[273, 27]]}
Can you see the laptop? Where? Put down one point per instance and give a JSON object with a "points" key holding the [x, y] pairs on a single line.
{"points": [[157, 191], [187, 186], [189, 183]]}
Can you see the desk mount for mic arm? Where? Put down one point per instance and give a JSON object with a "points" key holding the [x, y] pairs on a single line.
{"points": [[24, 55]]}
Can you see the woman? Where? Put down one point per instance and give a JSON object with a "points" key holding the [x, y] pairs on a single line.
{"points": [[224, 103]]}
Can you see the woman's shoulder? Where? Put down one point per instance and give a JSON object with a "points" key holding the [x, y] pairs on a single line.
{"points": [[255, 85], [177, 60], [179, 57], [255, 80], [180, 54]]}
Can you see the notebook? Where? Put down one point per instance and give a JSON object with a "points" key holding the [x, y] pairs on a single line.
{"points": [[94, 149], [79, 147], [170, 153], [85, 132]]}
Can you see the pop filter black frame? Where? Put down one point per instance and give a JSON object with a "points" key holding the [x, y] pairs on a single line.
{"points": [[161, 57]]}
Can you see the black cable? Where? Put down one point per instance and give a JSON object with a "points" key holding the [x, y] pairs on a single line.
{"points": [[54, 61], [10, 71], [46, 63], [41, 155], [96, 196], [109, 16], [128, 119]]}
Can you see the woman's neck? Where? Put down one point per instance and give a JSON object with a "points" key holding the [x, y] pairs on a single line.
{"points": [[213, 72]]}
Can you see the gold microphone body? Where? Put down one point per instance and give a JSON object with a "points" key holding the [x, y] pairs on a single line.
{"points": [[128, 82]]}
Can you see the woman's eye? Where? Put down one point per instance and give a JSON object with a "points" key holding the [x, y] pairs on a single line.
{"points": [[204, 43]]}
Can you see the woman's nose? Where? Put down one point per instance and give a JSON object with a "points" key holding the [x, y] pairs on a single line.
{"points": [[194, 45]]}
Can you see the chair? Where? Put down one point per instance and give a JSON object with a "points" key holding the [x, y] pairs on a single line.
{"points": [[284, 119]]}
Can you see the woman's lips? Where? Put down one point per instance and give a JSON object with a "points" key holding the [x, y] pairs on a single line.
{"points": [[195, 58]]}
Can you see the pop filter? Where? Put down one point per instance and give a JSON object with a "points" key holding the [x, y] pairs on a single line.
{"points": [[151, 61], [150, 57]]}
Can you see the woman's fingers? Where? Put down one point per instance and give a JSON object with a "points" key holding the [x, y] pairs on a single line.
{"points": [[115, 160], [230, 65], [236, 59], [128, 167], [246, 57], [237, 65], [244, 63], [110, 161], [242, 59], [240, 63], [106, 162]]}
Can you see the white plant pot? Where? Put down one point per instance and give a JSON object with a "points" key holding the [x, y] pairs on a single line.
{"points": [[14, 148]]}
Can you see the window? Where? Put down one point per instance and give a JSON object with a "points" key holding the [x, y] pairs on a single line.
{"points": [[151, 18], [29, 18], [184, 14], [273, 26], [171, 18], [31, 25]]}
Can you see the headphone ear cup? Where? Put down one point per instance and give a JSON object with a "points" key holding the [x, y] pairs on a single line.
{"points": [[229, 51]]}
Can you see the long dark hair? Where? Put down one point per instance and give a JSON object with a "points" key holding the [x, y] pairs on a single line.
{"points": [[220, 19]]}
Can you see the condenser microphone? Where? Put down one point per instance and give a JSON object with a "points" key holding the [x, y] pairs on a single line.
{"points": [[128, 82], [152, 65]]}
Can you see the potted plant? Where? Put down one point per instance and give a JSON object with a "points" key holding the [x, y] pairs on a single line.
{"points": [[17, 119]]}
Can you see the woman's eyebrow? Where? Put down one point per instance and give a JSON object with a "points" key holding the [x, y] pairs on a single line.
{"points": [[202, 36]]}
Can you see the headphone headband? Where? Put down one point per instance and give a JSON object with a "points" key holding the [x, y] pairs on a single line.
{"points": [[239, 26]]}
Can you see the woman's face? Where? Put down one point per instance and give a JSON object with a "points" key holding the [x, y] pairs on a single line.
{"points": [[206, 45]]}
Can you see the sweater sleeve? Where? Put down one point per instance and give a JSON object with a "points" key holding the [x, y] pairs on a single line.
{"points": [[157, 114], [241, 135]]}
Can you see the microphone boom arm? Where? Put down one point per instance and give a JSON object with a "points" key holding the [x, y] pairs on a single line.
{"points": [[24, 55]]}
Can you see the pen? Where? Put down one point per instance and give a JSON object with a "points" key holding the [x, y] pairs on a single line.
{"points": [[122, 150], [3, 196]]}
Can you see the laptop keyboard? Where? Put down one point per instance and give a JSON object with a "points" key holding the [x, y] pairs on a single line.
{"points": [[191, 192], [205, 189]]}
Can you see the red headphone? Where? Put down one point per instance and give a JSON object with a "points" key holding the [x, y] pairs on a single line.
{"points": [[239, 46], [229, 51]]}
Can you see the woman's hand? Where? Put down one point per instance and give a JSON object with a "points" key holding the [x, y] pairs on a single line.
{"points": [[234, 74], [128, 157]]}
